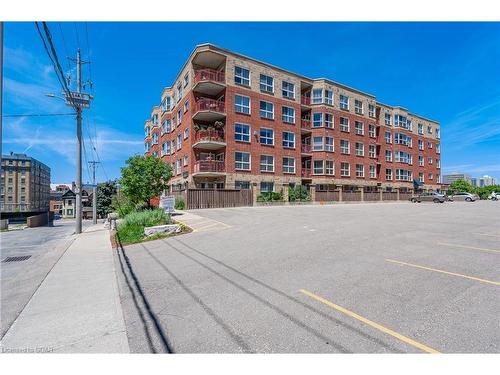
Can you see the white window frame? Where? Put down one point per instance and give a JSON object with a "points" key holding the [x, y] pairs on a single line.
{"points": [[329, 124], [358, 174], [343, 169], [265, 86], [388, 155], [242, 106], [287, 118], [314, 122], [358, 106], [387, 119], [265, 166], [344, 102], [266, 137], [344, 127], [322, 167], [372, 151], [239, 75], [329, 147], [360, 151], [241, 134], [372, 131], [266, 113], [287, 92], [330, 167], [289, 169], [317, 143], [288, 143], [372, 171], [242, 163], [356, 130], [328, 97], [388, 176], [317, 99], [371, 110], [345, 144]]}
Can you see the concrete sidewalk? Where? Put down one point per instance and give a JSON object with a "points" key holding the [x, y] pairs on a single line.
{"points": [[77, 307]]}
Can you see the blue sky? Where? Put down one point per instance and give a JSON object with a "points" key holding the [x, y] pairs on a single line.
{"points": [[449, 72]]}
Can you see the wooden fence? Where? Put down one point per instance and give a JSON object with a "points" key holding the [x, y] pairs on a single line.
{"points": [[351, 196], [390, 196], [205, 198], [405, 196], [327, 196], [371, 196]]}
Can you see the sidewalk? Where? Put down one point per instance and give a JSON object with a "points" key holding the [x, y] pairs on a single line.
{"points": [[77, 307]]}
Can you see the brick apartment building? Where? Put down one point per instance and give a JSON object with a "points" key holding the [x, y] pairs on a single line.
{"points": [[230, 121], [25, 184]]}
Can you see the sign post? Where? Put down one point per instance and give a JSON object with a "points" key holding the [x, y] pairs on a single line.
{"points": [[168, 203]]}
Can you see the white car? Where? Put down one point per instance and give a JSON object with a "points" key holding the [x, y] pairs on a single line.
{"points": [[464, 196]]}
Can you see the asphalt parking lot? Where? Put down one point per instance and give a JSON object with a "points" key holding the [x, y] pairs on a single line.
{"points": [[351, 278]]}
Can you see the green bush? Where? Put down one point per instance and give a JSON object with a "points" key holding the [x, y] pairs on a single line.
{"points": [[131, 228], [270, 197], [179, 203], [298, 194], [121, 205]]}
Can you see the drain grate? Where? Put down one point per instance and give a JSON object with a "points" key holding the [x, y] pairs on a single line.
{"points": [[16, 259]]}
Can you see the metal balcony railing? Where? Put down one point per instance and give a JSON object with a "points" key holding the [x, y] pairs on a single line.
{"points": [[206, 104], [305, 172], [209, 166], [305, 124], [305, 100], [305, 148], [209, 135], [209, 75]]}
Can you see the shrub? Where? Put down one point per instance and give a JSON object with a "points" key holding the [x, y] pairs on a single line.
{"points": [[179, 203], [298, 194], [270, 197], [131, 228], [121, 205]]}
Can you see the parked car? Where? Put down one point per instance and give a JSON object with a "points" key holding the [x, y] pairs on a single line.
{"points": [[428, 197], [493, 196], [464, 196]]}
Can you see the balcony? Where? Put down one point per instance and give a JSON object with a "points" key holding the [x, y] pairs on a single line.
{"points": [[209, 110], [305, 149], [305, 100], [209, 81], [209, 168], [305, 172], [209, 139], [305, 125]]}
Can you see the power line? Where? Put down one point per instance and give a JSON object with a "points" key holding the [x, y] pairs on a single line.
{"points": [[76, 34], [68, 61], [88, 56]]}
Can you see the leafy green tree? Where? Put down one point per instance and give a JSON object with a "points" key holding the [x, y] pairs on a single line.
{"points": [[462, 185], [105, 192], [144, 178], [485, 191]]}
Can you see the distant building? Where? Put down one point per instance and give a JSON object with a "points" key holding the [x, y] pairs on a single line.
{"points": [[474, 181], [56, 201], [68, 199], [486, 181], [450, 178], [25, 185]]}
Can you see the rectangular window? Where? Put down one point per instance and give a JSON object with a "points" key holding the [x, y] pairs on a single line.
{"points": [[388, 155], [266, 83], [359, 128], [266, 163], [388, 137], [179, 166], [360, 149], [186, 160], [317, 119], [329, 97], [186, 79], [242, 185], [345, 170], [388, 174], [288, 90], [329, 167], [288, 140], [420, 128], [266, 136], [317, 96], [179, 142], [242, 132], [344, 147], [429, 145], [373, 171], [242, 161], [371, 110], [429, 160], [372, 151], [371, 131], [242, 104], [437, 133], [420, 144], [179, 91], [360, 170], [344, 124], [266, 110], [179, 116], [329, 120], [186, 106], [420, 160], [430, 176], [402, 122], [358, 106], [403, 175], [241, 76], [402, 157], [317, 143], [438, 148], [186, 133], [387, 118], [429, 129], [288, 165], [318, 166], [266, 187], [329, 144], [288, 115], [167, 126], [344, 102]]}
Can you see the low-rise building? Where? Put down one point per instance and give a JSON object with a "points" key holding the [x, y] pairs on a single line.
{"points": [[450, 178]]}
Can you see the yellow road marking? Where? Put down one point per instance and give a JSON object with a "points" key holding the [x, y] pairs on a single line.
{"points": [[445, 272], [468, 247], [381, 328]]}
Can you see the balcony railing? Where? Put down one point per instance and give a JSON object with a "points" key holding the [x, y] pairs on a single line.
{"points": [[305, 100], [206, 104], [209, 135], [305, 124], [209, 166], [305, 148], [209, 75], [22, 207], [305, 172]]}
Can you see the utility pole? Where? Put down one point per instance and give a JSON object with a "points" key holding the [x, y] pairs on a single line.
{"points": [[1, 93], [78, 228], [93, 164]]}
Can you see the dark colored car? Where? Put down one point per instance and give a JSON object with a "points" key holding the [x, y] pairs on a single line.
{"points": [[428, 197]]}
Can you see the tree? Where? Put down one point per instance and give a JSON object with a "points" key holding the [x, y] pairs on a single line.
{"points": [[105, 192], [462, 185], [144, 178]]}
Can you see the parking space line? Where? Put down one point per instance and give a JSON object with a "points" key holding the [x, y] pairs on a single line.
{"points": [[487, 234], [445, 272], [468, 247], [380, 327]]}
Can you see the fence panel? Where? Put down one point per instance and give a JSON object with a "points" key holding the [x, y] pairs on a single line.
{"points": [[389, 196], [327, 196], [405, 196], [205, 198], [371, 196], [351, 196]]}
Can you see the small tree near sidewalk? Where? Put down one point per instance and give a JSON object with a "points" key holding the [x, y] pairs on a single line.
{"points": [[105, 192], [144, 178]]}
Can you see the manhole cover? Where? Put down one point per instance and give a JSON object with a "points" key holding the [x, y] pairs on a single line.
{"points": [[16, 259]]}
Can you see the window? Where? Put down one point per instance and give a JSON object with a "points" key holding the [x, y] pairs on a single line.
{"points": [[420, 128], [288, 140], [402, 157], [373, 171], [345, 170], [266, 110], [371, 131], [155, 138], [242, 185], [288, 165], [266, 83], [266, 136], [329, 97], [186, 133], [179, 142], [317, 120], [288, 90], [317, 143], [430, 176], [186, 79], [360, 149], [242, 104], [402, 139], [186, 106], [388, 155], [402, 122], [317, 96], [344, 147], [372, 151], [179, 91], [266, 163], [329, 120], [318, 166], [167, 126], [358, 106], [429, 145], [360, 170], [179, 166], [266, 187], [388, 137], [329, 144], [344, 124], [330, 167], [387, 119], [186, 160], [421, 176], [288, 114], [429, 160], [437, 135], [371, 110], [420, 160], [388, 174], [420, 144], [429, 129], [179, 116], [242, 132], [241, 76], [242, 161], [438, 148], [359, 128], [403, 175], [344, 102]]}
